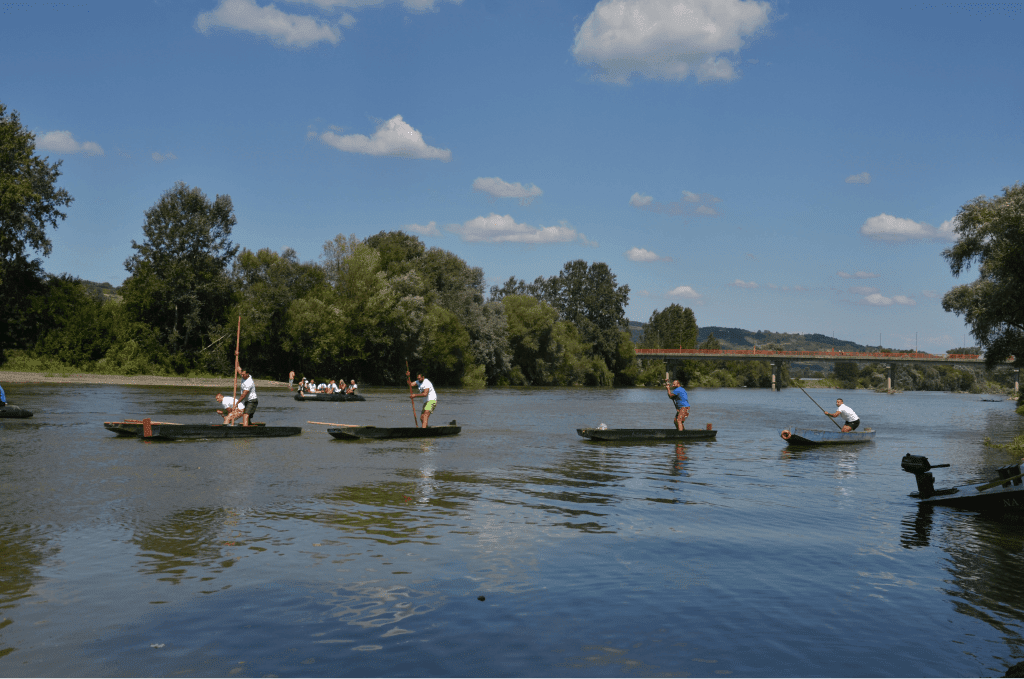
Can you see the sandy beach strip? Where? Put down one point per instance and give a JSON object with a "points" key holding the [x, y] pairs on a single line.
{"points": [[7, 377]]}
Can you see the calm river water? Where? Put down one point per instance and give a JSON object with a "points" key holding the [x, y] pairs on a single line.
{"points": [[514, 549]]}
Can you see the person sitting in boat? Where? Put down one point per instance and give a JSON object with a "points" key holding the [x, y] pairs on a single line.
{"points": [[427, 392], [333, 388], [322, 389], [682, 403], [351, 388], [852, 421], [232, 408]]}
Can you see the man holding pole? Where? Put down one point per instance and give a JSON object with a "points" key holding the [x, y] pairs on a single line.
{"points": [[678, 396], [248, 398], [852, 421], [427, 392]]}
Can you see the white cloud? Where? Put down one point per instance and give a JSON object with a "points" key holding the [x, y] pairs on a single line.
{"points": [[428, 230], [288, 30], [906, 301], [414, 5], [896, 229], [498, 188], [161, 157], [636, 200], [394, 137], [667, 39], [931, 294], [642, 255], [691, 204], [743, 284], [862, 178], [863, 290], [503, 229], [62, 141], [684, 291], [859, 274], [878, 300]]}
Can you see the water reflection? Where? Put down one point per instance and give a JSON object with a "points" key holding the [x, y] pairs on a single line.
{"points": [[680, 462], [190, 538], [22, 553]]}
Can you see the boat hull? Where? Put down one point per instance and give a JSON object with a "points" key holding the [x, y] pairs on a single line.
{"points": [[352, 433], [10, 412], [300, 396], [647, 434], [795, 436], [996, 501], [175, 432]]}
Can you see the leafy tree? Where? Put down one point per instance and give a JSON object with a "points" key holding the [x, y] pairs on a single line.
{"points": [[71, 324], [990, 233], [334, 259], [398, 251], [30, 203], [588, 297], [268, 284], [674, 326], [179, 283]]}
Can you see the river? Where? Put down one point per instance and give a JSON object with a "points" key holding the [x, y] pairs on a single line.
{"points": [[514, 549]]}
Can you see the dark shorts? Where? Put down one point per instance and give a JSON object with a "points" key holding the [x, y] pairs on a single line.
{"points": [[853, 425], [250, 406]]}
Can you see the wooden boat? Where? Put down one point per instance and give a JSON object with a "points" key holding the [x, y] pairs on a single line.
{"points": [[795, 436], [1005, 495], [647, 434], [303, 396], [168, 430], [352, 433], [14, 412]]}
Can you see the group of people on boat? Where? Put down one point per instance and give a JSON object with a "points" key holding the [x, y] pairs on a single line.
{"points": [[332, 387]]}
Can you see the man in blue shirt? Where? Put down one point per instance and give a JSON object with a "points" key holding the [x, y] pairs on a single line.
{"points": [[3, 398], [678, 396]]}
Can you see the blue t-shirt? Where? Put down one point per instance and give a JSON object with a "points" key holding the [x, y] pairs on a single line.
{"points": [[679, 398], [3, 397]]}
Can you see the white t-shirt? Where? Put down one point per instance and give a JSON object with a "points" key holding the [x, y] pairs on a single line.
{"points": [[228, 402], [250, 386], [847, 413], [353, 386], [426, 385]]}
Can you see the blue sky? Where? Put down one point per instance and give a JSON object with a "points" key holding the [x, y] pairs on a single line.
{"points": [[784, 166]]}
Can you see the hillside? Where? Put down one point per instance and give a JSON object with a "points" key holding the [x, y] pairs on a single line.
{"points": [[738, 338]]}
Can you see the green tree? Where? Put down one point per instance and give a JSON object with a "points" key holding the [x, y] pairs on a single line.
{"points": [[268, 283], [179, 282], [990, 234], [398, 250], [30, 203], [674, 326]]}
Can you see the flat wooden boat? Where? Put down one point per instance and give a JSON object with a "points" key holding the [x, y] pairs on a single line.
{"points": [[1005, 495], [647, 434], [795, 436], [14, 412], [351, 433], [303, 396], [171, 431]]}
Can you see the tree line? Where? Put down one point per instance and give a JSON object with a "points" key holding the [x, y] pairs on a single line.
{"points": [[365, 307]]}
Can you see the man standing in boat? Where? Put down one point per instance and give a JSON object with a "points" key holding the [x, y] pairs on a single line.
{"points": [[852, 421], [678, 396], [248, 398], [3, 398], [427, 392]]}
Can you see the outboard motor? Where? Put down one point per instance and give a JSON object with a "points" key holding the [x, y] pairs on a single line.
{"points": [[918, 465]]}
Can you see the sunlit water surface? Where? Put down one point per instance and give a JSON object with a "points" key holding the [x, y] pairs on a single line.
{"points": [[516, 548]]}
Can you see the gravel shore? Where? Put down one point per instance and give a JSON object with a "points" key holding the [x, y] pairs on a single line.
{"points": [[7, 377]]}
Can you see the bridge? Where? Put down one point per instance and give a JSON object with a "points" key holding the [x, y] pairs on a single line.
{"points": [[777, 358]]}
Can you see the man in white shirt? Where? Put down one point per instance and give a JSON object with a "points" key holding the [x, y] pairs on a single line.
{"points": [[248, 398], [232, 410], [352, 388], [852, 421], [427, 392]]}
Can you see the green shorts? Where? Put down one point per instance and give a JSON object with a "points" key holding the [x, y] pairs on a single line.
{"points": [[429, 406]]}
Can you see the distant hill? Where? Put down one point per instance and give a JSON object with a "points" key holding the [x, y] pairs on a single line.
{"points": [[102, 290], [738, 338]]}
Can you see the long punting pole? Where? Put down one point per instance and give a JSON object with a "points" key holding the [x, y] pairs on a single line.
{"points": [[411, 404], [820, 408], [238, 340]]}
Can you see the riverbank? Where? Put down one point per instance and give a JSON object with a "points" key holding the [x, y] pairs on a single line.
{"points": [[12, 377]]}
